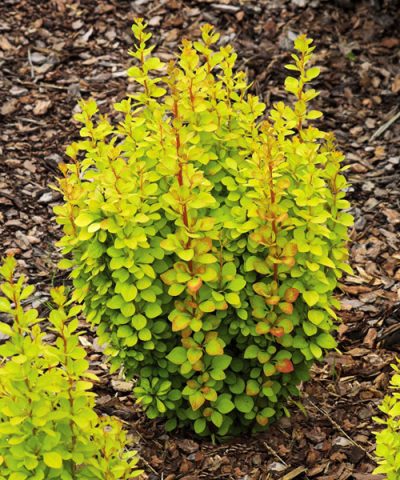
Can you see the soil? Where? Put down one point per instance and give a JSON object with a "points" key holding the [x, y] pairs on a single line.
{"points": [[52, 52]]}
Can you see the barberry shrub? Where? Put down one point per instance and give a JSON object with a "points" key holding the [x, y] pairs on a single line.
{"points": [[48, 428], [206, 241], [388, 439]]}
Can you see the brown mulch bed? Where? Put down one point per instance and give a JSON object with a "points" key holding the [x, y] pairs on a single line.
{"points": [[54, 51]]}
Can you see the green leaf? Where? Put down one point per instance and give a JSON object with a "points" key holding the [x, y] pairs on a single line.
{"points": [[327, 262], [316, 316], [325, 340], [299, 342], [233, 298], [238, 387], [145, 335], [115, 302], [139, 322], [291, 85], [312, 73], [128, 291], [346, 219], [17, 476], [214, 347], [200, 425], [53, 459], [152, 310], [225, 405], [268, 369], [228, 271], [186, 255], [217, 374], [268, 412], [311, 298], [84, 219], [6, 329], [124, 331], [314, 114], [207, 306], [309, 328], [194, 354], [171, 424], [202, 200], [217, 418], [237, 284], [315, 350], [221, 362], [176, 289], [244, 403], [251, 351], [148, 295], [206, 259], [5, 305], [178, 355]]}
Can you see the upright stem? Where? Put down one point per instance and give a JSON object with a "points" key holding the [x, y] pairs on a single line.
{"points": [[273, 199], [300, 94], [179, 176], [70, 397]]}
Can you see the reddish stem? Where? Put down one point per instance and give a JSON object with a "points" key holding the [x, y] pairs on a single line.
{"points": [[179, 176], [274, 226]]}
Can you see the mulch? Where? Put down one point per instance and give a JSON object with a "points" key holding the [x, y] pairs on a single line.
{"points": [[52, 52]]}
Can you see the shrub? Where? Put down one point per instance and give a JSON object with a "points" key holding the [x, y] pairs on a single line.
{"points": [[48, 428], [388, 439], [205, 241]]}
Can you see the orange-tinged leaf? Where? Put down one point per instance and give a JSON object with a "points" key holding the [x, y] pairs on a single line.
{"points": [[288, 261], [261, 289], [198, 366], [168, 277], [284, 366], [194, 285], [207, 412], [262, 420], [286, 324], [210, 336], [286, 307], [196, 400], [222, 305], [290, 250], [277, 331], [252, 388], [210, 395], [186, 332], [273, 300], [180, 322], [291, 295]]}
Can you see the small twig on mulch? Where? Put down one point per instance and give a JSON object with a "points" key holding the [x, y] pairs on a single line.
{"points": [[275, 454], [385, 126], [338, 427]]}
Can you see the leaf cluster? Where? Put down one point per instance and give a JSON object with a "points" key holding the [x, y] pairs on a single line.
{"points": [[388, 439], [48, 426], [206, 241]]}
